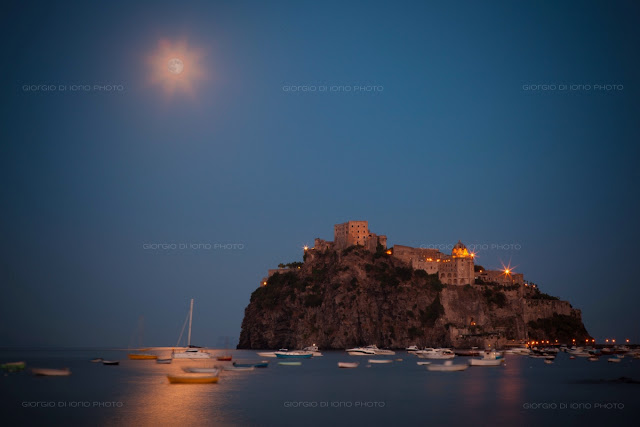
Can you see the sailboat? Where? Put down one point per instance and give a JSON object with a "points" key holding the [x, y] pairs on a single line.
{"points": [[191, 352]]}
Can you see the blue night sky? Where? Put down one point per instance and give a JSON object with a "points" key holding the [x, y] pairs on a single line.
{"points": [[451, 146]]}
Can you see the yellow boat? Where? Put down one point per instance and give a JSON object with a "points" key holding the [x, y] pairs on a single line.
{"points": [[138, 356], [192, 379]]}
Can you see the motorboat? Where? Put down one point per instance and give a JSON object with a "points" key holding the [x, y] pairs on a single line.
{"points": [[447, 366], [313, 349], [491, 358], [51, 372], [380, 361], [438, 353], [192, 379], [348, 364], [412, 348], [369, 350], [296, 354], [361, 351]]}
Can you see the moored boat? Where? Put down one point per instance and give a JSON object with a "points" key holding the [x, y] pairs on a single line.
{"points": [[195, 370], [110, 362], [238, 369], [348, 364], [44, 372], [422, 363], [548, 361], [164, 361], [142, 356], [491, 358], [13, 366], [294, 354], [380, 361], [267, 354], [437, 353], [192, 379], [448, 366], [614, 360], [298, 363], [97, 360], [262, 364]]}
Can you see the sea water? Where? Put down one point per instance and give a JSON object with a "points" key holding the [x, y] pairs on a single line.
{"points": [[525, 391]]}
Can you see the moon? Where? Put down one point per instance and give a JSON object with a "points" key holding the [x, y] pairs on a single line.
{"points": [[175, 66]]}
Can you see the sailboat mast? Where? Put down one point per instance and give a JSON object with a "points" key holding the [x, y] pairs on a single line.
{"points": [[190, 318]]}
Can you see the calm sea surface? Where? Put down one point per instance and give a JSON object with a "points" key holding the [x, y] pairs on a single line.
{"points": [[523, 392]]}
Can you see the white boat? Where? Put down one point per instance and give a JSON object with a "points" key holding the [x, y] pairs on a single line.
{"points": [[313, 349], [369, 350], [164, 361], [614, 360], [348, 364], [267, 354], [490, 358], [380, 361], [448, 366], [191, 352], [437, 353], [362, 351], [51, 372], [194, 370], [423, 363], [412, 348]]}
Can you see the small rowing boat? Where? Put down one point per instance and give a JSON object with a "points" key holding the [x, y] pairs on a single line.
{"points": [[348, 364], [448, 366], [111, 362], [290, 363], [163, 361], [193, 370], [43, 372], [192, 379], [380, 361], [13, 366]]}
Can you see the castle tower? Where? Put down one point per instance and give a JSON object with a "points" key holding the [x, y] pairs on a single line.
{"points": [[457, 269]]}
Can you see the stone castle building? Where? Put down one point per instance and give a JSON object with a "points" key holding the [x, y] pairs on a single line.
{"points": [[353, 233], [455, 269]]}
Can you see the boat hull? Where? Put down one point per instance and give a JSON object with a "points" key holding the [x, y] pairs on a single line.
{"points": [[447, 368], [51, 372], [348, 365], [380, 361], [134, 356], [294, 355], [485, 362], [200, 379]]}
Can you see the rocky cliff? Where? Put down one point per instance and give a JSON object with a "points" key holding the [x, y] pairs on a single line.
{"points": [[340, 299]]}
